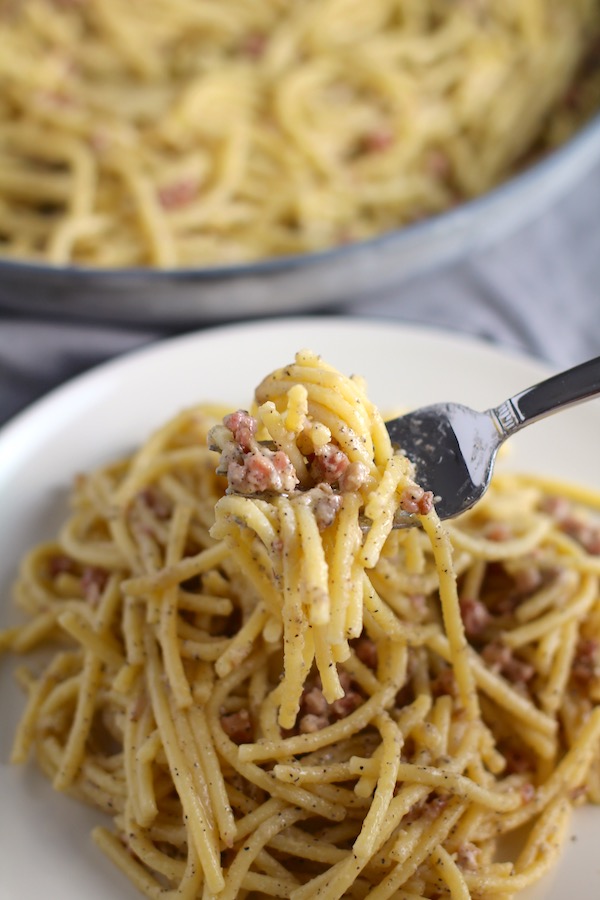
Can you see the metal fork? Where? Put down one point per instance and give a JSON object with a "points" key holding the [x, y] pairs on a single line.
{"points": [[454, 447]]}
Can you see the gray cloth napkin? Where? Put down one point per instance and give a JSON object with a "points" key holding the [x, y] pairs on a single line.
{"points": [[537, 292]]}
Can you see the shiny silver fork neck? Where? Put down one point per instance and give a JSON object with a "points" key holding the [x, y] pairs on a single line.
{"points": [[454, 447]]}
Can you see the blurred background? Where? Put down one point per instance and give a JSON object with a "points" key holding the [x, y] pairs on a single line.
{"points": [[169, 165]]}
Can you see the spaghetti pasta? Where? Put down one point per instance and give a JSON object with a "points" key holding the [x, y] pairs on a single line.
{"points": [[271, 698], [193, 133]]}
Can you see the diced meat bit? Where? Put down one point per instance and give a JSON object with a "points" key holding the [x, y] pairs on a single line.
{"points": [[326, 509], [314, 702], [500, 658], [517, 760], [157, 501], [100, 140], [586, 664], [366, 651], [346, 704], [57, 98], [557, 507], [475, 616], [243, 426], [507, 604], [510, 588], [438, 163], [467, 856], [345, 680], [345, 236], [250, 467], [60, 564], [498, 531], [528, 579], [585, 533], [262, 471], [329, 464], [378, 140], [415, 500], [311, 723], [254, 44], [429, 808], [323, 501], [355, 476], [325, 504], [498, 589], [238, 726], [93, 582], [178, 193], [316, 713]]}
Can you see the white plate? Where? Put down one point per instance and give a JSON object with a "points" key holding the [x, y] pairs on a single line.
{"points": [[45, 849]]}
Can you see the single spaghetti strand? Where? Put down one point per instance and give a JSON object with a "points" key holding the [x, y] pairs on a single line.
{"points": [[200, 831], [442, 551]]}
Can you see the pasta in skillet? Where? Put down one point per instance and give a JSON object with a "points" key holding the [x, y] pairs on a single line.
{"points": [[272, 692], [193, 133]]}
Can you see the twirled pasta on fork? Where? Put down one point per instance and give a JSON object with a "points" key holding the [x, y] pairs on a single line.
{"points": [[270, 701]]}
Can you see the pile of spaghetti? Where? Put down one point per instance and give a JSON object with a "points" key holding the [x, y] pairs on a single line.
{"points": [[200, 132], [273, 693]]}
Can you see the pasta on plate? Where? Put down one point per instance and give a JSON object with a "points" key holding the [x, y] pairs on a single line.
{"points": [[274, 693], [203, 132]]}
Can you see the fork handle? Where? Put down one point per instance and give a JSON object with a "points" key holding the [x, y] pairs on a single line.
{"points": [[558, 392]]}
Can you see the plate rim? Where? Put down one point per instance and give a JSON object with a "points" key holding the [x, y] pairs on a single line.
{"points": [[122, 361]]}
